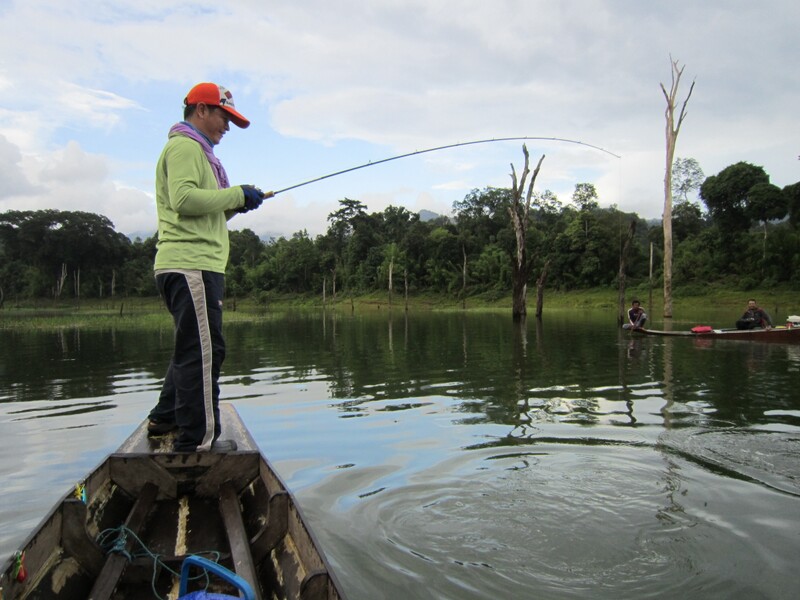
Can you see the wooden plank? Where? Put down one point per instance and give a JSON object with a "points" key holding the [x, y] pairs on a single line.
{"points": [[237, 537], [238, 469], [315, 586], [131, 472], [76, 539], [115, 564], [270, 478], [274, 529], [307, 546]]}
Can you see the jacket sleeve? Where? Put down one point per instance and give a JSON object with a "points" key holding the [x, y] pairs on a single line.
{"points": [[192, 186]]}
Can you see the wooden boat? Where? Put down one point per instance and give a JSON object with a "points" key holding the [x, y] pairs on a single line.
{"points": [[230, 507], [776, 334]]}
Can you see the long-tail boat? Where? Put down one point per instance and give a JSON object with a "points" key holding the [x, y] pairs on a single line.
{"points": [[785, 335], [125, 531]]}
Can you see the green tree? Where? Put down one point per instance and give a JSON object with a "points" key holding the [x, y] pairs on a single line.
{"points": [[415, 248], [687, 220], [733, 209], [340, 231], [137, 272], [492, 269], [442, 264], [726, 195], [482, 220], [246, 251], [585, 197], [483, 214], [73, 248], [687, 176], [766, 202], [792, 193]]}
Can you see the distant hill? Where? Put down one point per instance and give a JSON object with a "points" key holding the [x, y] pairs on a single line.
{"points": [[428, 215], [142, 235]]}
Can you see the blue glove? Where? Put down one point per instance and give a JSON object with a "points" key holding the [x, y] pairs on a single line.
{"points": [[253, 197]]}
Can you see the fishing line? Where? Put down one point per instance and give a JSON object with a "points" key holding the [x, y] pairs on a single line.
{"points": [[415, 153]]}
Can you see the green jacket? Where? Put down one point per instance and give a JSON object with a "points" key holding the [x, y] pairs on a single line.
{"points": [[192, 210]]}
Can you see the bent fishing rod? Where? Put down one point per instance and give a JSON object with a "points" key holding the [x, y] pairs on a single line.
{"points": [[416, 152]]}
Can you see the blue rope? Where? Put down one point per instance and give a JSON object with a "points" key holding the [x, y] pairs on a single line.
{"points": [[118, 545]]}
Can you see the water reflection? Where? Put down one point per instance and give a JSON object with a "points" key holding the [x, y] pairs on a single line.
{"points": [[462, 455]]}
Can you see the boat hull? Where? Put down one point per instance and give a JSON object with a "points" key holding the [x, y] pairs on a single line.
{"points": [[231, 507], [782, 335]]}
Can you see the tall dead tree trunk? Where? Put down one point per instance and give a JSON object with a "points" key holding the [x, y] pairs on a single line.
{"points": [[391, 280], [650, 281], [623, 267], [405, 288], [540, 289], [464, 277], [519, 209], [61, 280], [672, 130]]}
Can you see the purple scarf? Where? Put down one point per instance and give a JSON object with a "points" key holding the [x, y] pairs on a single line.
{"points": [[184, 129]]}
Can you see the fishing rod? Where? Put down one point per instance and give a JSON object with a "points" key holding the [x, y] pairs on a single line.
{"points": [[416, 152]]}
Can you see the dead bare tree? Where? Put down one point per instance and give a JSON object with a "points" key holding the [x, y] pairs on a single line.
{"points": [[464, 277], [672, 129], [623, 267], [391, 279], [540, 289], [405, 288], [519, 209], [62, 278]]}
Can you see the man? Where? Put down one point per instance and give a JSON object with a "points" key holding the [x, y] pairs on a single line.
{"points": [[636, 316], [194, 201], [754, 317]]}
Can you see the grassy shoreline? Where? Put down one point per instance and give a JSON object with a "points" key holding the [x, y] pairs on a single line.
{"points": [[149, 313]]}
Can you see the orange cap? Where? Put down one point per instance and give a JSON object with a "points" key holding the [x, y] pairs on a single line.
{"points": [[216, 95]]}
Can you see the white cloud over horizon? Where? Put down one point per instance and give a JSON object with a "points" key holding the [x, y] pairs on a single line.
{"points": [[89, 90]]}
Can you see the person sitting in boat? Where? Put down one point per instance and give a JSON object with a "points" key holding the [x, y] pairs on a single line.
{"points": [[754, 317], [636, 316]]}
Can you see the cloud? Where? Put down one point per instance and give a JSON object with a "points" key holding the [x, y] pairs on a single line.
{"points": [[13, 181], [71, 179], [95, 108], [334, 84], [73, 166]]}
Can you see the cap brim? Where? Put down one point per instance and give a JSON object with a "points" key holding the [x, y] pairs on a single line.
{"points": [[236, 117]]}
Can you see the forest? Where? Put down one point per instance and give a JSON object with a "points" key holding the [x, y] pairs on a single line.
{"points": [[743, 233]]}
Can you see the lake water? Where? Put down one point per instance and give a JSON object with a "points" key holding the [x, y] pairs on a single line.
{"points": [[461, 456]]}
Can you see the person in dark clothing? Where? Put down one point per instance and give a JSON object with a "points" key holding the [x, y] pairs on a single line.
{"points": [[754, 317], [636, 316]]}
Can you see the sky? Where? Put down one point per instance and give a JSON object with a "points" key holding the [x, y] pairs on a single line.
{"points": [[89, 89]]}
